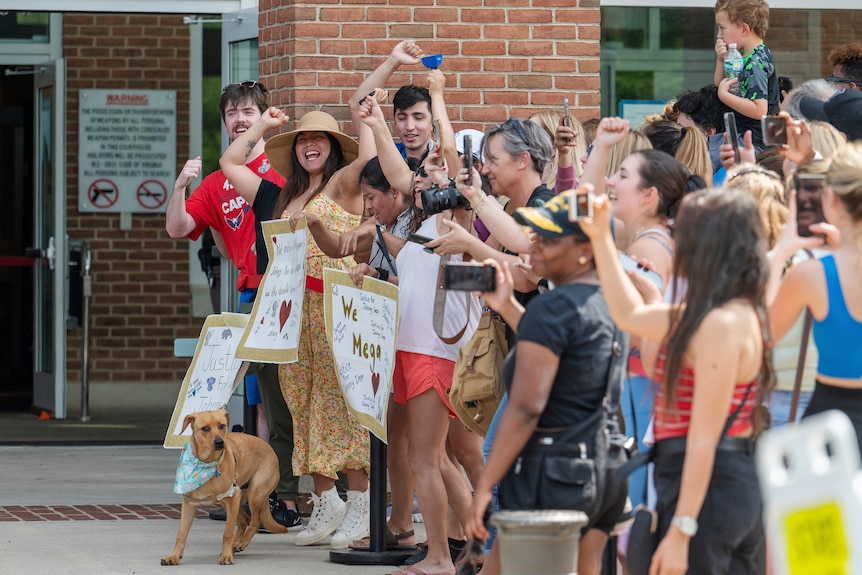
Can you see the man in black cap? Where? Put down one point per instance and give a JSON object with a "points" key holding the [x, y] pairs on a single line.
{"points": [[843, 110]]}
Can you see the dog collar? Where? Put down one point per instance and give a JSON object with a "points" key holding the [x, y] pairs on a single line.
{"points": [[192, 472]]}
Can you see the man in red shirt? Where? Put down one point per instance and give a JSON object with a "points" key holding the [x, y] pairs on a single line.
{"points": [[215, 204]]}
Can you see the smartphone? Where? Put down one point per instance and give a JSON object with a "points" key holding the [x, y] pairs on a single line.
{"points": [[631, 265], [469, 276], [581, 205], [732, 134], [468, 154], [774, 130], [809, 194], [785, 84], [566, 121], [416, 238]]}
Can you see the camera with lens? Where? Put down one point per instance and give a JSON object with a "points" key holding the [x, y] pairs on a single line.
{"points": [[436, 199]]}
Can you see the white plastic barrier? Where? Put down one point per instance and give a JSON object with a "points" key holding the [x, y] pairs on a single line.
{"points": [[812, 489]]}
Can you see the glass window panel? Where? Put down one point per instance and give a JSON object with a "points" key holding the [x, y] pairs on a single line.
{"points": [[625, 27], [687, 28], [25, 27]]}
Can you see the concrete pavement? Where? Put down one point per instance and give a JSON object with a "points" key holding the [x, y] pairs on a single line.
{"points": [[110, 510]]}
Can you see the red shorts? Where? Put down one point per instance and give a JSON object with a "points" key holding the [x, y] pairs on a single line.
{"points": [[416, 373]]}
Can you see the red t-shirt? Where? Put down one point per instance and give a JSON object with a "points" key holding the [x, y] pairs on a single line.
{"points": [[672, 420], [215, 204]]}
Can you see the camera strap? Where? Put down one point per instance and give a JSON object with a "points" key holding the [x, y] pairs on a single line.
{"points": [[440, 306]]}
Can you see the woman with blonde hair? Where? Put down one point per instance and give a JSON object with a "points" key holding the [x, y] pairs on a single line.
{"points": [[686, 144], [828, 287], [767, 189]]}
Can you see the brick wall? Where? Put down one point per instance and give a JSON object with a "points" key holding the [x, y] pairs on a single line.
{"points": [[140, 278], [502, 58]]}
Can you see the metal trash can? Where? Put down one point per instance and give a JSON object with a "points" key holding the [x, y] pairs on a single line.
{"points": [[539, 542]]}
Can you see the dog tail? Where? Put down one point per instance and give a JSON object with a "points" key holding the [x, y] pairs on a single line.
{"points": [[269, 523]]}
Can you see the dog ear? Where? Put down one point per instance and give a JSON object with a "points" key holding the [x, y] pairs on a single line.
{"points": [[227, 418], [189, 420]]}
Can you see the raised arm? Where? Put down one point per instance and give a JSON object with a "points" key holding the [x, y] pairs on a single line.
{"points": [[626, 305], [436, 83], [178, 222], [245, 181], [393, 165], [609, 132], [405, 52]]}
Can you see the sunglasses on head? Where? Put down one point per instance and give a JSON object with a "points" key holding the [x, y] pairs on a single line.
{"points": [[247, 84], [839, 79], [517, 124]]}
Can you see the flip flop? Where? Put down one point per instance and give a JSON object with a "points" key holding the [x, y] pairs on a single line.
{"points": [[409, 570], [392, 542]]}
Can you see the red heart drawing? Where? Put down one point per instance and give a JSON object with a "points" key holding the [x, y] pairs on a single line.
{"points": [[274, 239], [375, 382], [261, 320], [284, 313]]}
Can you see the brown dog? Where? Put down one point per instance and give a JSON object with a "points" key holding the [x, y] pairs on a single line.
{"points": [[247, 471]]}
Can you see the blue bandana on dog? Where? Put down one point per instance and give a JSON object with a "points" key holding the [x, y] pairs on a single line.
{"points": [[192, 472]]}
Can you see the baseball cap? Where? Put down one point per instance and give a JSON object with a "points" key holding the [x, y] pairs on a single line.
{"points": [[552, 219], [843, 110], [476, 136]]}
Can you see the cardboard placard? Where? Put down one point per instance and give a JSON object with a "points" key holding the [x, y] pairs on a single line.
{"points": [[361, 327], [213, 374], [273, 331]]}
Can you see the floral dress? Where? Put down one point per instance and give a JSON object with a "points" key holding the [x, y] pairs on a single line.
{"points": [[326, 437]]}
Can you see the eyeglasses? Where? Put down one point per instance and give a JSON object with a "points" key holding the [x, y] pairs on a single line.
{"points": [[247, 84], [839, 79], [517, 124]]}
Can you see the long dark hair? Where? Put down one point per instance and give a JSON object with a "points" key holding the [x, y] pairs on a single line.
{"points": [[721, 252], [298, 181], [668, 175]]}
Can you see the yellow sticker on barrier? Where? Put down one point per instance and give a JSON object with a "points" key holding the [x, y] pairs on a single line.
{"points": [[816, 541]]}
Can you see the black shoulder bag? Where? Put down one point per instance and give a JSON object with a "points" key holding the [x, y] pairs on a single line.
{"points": [[575, 469]]}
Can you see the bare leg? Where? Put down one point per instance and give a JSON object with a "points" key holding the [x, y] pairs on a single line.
{"points": [[466, 446], [400, 474], [427, 454], [590, 551]]}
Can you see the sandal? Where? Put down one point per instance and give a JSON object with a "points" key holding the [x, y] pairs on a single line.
{"points": [[392, 542]]}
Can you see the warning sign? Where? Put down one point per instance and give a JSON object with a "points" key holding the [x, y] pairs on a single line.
{"points": [[152, 194], [127, 142], [102, 194]]}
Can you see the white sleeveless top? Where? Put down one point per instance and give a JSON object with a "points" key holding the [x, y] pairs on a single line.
{"points": [[417, 283]]}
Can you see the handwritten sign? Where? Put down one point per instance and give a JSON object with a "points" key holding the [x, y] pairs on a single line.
{"points": [[214, 373], [272, 335], [360, 326]]}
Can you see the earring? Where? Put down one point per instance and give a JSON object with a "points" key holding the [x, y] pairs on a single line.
{"points": [[582, 260]]}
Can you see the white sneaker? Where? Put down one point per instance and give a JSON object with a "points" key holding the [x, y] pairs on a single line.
{"points": [[356, 520], [327, 515]]}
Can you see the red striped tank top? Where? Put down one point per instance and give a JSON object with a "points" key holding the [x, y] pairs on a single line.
{"points": [[672, 419]]}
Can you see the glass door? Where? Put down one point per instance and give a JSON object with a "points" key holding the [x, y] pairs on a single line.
{"points": [[50, 269], [239, 63]]}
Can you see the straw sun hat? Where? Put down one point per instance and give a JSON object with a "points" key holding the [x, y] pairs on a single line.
{"points": [[279, 149]]}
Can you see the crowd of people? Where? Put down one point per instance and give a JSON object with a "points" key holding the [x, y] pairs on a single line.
{"points": [[725, 283]]}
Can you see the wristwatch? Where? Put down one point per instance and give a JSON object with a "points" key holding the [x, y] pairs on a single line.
{"points": [[686, 524]]}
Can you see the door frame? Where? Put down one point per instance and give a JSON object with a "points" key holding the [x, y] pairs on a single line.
{"points": [[49, 388]]}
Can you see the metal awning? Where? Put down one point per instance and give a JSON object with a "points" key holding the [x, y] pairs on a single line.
{"points": [[131, 6]]}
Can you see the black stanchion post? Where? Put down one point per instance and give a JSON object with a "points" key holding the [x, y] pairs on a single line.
{"points": [[377, 553]]}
